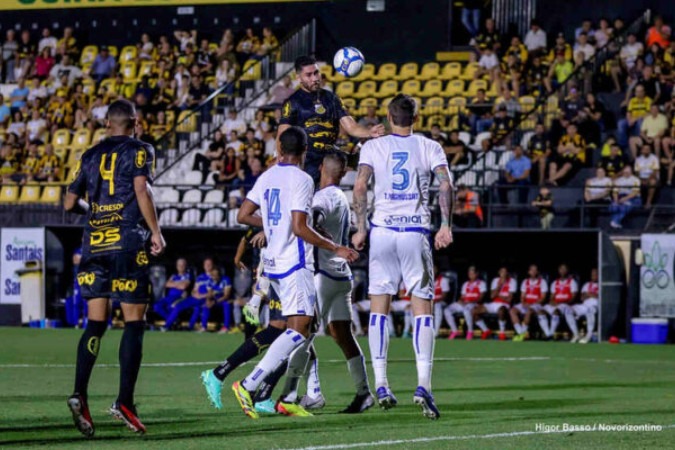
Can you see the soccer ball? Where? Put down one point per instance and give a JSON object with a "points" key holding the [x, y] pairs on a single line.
{"points": [[348, 61]]}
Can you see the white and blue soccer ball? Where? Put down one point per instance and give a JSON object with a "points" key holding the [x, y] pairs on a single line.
{"points": [[348, 61]]}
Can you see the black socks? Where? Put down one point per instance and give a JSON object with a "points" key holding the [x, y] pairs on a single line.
{"points": [[131, 353], [87, 352]]}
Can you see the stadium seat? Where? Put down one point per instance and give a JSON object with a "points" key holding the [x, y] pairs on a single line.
{"points": [[408, 71], [9, 193], [129, 53], [433, 105], [384, 105], [387, 71], [349, 179], [527, 105], [429, 71], [170, 117], [367, 73], [451, 71], [112, 49], [214, 196], [187, 122], [436, 119], [214, 217], [411, 87], [364, 104], [108, 85], [128, 70], [431, 88], [474, 86], [30, 193], [51, 194], [345, 89], [81, 138], [129, 89], [465, 137], [525, 141], [193, 178], [388, 88], [99, 135], [454, 88], [61, 138], [145, 68], [456, 105], [167, 195], [480, 137], [469, 71], [168, 217], [88, 54], [366, 89], [350, 104], [190, 217], [62, 153], [327, 71], [74, 156], [192, 196], [88, 86], [251, 71]]}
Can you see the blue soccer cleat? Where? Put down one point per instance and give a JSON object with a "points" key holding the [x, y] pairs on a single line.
{"points": [[385, 398], [426, 401], [266, 407], [213, 388]]}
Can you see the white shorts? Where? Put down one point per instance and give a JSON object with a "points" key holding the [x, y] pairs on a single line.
{"points": [[296, 293], [335, 298], [494, 307], [262, 285], [562, 308], [400, 255], [363, 305], [458, 308], [589, 306], [523, 307], [399, 305]]}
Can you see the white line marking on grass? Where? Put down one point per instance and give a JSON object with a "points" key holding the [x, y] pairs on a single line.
{"points": [[468, 437]]}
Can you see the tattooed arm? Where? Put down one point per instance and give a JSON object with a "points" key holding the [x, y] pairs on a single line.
{"points": [[446, 200], [361, 205]]}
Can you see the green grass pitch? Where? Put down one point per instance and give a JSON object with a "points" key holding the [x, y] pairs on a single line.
{"points": [[491, 395]]}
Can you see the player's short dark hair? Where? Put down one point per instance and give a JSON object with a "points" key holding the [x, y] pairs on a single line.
{"points": [[304, 61], [293, 141], [123, 112], [337, 157], [403, 110]]}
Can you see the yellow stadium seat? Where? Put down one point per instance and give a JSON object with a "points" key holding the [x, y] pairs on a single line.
{"points": [[433, 105], [88, 86], [251, 70], [129, 90], [81, 138], [350, 104], [552, 108], [453, 88], [62, 153], [430, 71], [327, 71], [345, 89], [61, 138], [9, 193], [437, 119], [469, 71], [129, 53], [366, 89], [493, 91], [74, 156], [432, 88], [145, 68], [128, 70], [418, 101], [451, 71], [456, 105], [382, 111], [187, 122], [387, 89], [474, 86], [213, 46], [108, 85], [170, 117], [113, 51], [367, 73], [527, 103], [51, 194], [387, 71], [364, 104], [411, 87], [408, 71], [88, 54], [99, 135], [30, 193]]}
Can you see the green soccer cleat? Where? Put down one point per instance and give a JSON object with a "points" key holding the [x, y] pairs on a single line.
{"points": [[292, 409], [519, 337], [252, 314], [266, 407], [213, 388], [244, 399]]}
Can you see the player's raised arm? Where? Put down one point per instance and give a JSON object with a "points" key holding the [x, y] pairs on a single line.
{"points": [[446, 200], [359, 131], [361, 205]]}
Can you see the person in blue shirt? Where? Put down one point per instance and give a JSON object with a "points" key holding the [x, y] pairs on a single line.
{"points": [[19, 96], [516, 174], [103, 66], [76, 306], [5, 112], [195, 301], [219, 290], [176, 289]]}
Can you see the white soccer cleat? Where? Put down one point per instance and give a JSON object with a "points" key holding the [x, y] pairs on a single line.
{"points": [[308, 402], [586, 339], [574, 339]]}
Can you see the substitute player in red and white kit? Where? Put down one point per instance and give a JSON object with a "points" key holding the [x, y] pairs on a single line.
{"points": [[402, 165], [588, 307], [533, 292], [441, 290], [502, 289], [564, 291], [472, 293], [401, 305]]}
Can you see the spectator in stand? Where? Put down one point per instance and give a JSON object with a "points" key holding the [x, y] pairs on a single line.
{"points": [[67, 69], [176, 289], [456, 150], [638, 107], [44, 63], [472, 293], [205, 58], [49, 166], [603, 34], [511, 103], [5, 112], [628, 57], [488, 64], [533, 292], [502, 290], [9, 49], [597, 194], [145, 48], [260, 124], [658, 34], [544, 203], [103, 66], [47, 41], [558, 73], [488, 37], [571, 106], [233, 123], [647, 169], [654, 127], [517, 49], [468, 213], [225, 74], [185, 38], [29, 165], [512, 70], [583, 46], [591, 123], [516, 176], [280, 93], [212, 159], [563, 295], [19, 96], [371, 119], [25, 54], [471, 16], [536, 77], [539, 149], [9, 163], [649, 81], [248, 46], [502, 127], [614, 162], [625, 196], [571, 155], [668, 158], [228, 168], [535, 40], [198, 94], [561, 48], [480, 112], [269, 41], [36, 126], [67, 45]]}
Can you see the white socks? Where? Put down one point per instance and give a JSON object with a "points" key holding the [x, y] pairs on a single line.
{"points": [[572, 323], [481, 324], [313, 383], [543, 323], [356, 320], [407, 321], [555, 321], [280, 349], [378, 342], [450, 318], [297, 365], [423, 344], [357, 369], [502, 326], [590, 322], [468, 317], [255, 300]]}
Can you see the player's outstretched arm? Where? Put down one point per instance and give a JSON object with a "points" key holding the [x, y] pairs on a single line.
{"points": [[446, 200], [309, 235], [147, 206], [359, 131], [246, 215], [361, 205]]}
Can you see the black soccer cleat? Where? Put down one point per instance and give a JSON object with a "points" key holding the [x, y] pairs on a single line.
{"points": [[81, 416], [127, 415], [360, 403]]}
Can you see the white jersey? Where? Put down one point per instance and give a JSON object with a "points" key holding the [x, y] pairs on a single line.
{"points": [[331, 203], [402, 168], [280, 190]]}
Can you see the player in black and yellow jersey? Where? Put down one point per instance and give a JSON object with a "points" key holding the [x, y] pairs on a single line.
{"points": [[115, 178], [321, 114]]}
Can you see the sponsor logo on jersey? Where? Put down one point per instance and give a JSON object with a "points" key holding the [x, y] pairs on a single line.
{"points": [[319, 108], [105, 221], [123, 285], [403, 220], [141, 158], [142, 258], [269, 263], [96, 208], [86, 278], [105, 237]]}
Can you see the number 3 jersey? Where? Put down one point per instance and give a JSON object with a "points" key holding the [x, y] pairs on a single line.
{"points": [[279, 191], [402, 168], [105, 174]]}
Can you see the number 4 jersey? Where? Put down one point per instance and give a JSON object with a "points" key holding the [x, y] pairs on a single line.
{"points": [[402, 168], [279, 191], [105, 174]]}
